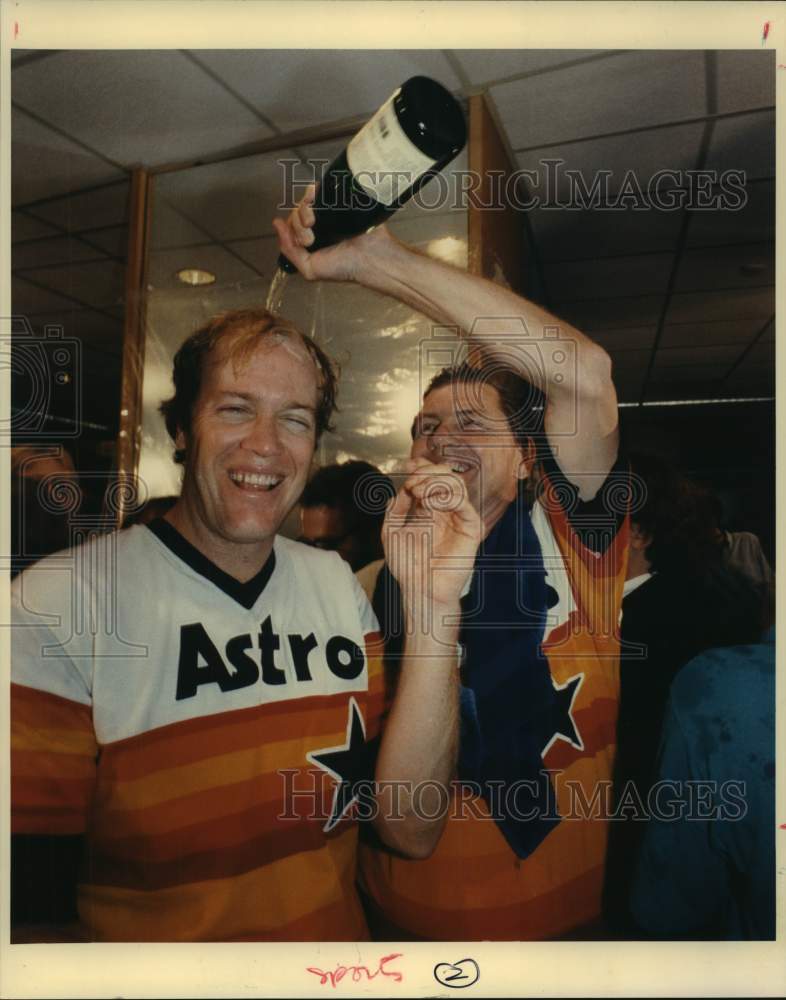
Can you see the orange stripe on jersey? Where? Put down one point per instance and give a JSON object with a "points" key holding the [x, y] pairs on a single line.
{"points": [[256, 905], [171, 783], [250, 819], [243, 850], [49, 805], [60, 741], [53, 753], [33, 710], [549, 915], [35, 763], [212, 803], [182, 744]]}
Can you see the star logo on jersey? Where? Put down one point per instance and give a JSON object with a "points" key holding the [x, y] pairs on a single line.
{"points": [[564, 724], [344, 764]]}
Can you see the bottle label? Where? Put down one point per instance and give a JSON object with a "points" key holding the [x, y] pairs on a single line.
{"points": [[383, 160]]}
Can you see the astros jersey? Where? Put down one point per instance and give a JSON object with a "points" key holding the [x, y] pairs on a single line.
{"points": [[200, 732], [475, 886]]}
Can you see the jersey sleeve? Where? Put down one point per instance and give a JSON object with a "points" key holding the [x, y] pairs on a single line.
{"points": [[53, 744], [596, 522]]}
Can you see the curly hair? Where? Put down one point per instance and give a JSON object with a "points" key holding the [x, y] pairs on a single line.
{"points": [[241, 330]]}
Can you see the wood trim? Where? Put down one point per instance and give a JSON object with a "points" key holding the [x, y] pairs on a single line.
{"points": [[129, 437], [496, 239]]}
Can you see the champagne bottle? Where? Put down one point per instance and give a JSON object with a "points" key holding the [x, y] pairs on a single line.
{"points": [[415, 133]]}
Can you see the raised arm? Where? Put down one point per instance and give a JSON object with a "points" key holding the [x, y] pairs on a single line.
{"points": [[572, 371], [431, 535]]}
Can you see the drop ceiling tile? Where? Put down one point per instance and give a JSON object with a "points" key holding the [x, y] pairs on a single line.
{"points": [[632, 160], [105, 206], [670, 357], [164, 265], [607, 276], [230, 200], [27, 298], [630, 90], [92, 329], [43, 163], [26, 227], [168, 227], [716, 267], [96, 284], [608, 314], [622, 341], [746, 79], [565, 235], [628, 386], [626, 361], [113, 240], [763, 352], [688, 373], [155, 106], [298, 88], [737, 332], [753, 380], [47, 252], [695, 388], [484, 66], [703, 306], [753, 222], [261, 254], [746, 143]]}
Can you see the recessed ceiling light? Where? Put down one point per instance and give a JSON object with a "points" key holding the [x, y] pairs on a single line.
{"points": [[195, 276]]}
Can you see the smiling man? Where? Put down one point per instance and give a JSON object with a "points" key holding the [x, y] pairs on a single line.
{"points": [[195, 701], [522, 853]]}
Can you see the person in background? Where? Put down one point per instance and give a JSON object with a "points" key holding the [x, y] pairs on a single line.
{"points": [[741, 550], [45, 492], [708, 871], [342, 510], [680, 598]]}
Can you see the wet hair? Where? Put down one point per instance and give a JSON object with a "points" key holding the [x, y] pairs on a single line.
{"points": [[521, 402], [241, 330]]}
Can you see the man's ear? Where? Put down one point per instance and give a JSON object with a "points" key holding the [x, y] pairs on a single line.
{"points": [[524, 470], [180, 440]]}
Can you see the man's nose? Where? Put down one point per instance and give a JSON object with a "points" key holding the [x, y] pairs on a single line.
{"points": [[263, 435]]}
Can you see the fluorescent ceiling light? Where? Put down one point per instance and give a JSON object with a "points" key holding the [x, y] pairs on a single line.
{"points": [[702, 402]]}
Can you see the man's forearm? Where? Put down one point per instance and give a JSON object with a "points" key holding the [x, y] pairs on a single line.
{"points": [[417, 758]]}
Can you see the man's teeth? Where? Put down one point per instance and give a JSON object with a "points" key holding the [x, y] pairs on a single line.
{"points": [[255, 479], [460, 467]]}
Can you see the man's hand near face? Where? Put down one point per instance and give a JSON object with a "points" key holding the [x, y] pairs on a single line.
{"points": [[431, 535]]}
